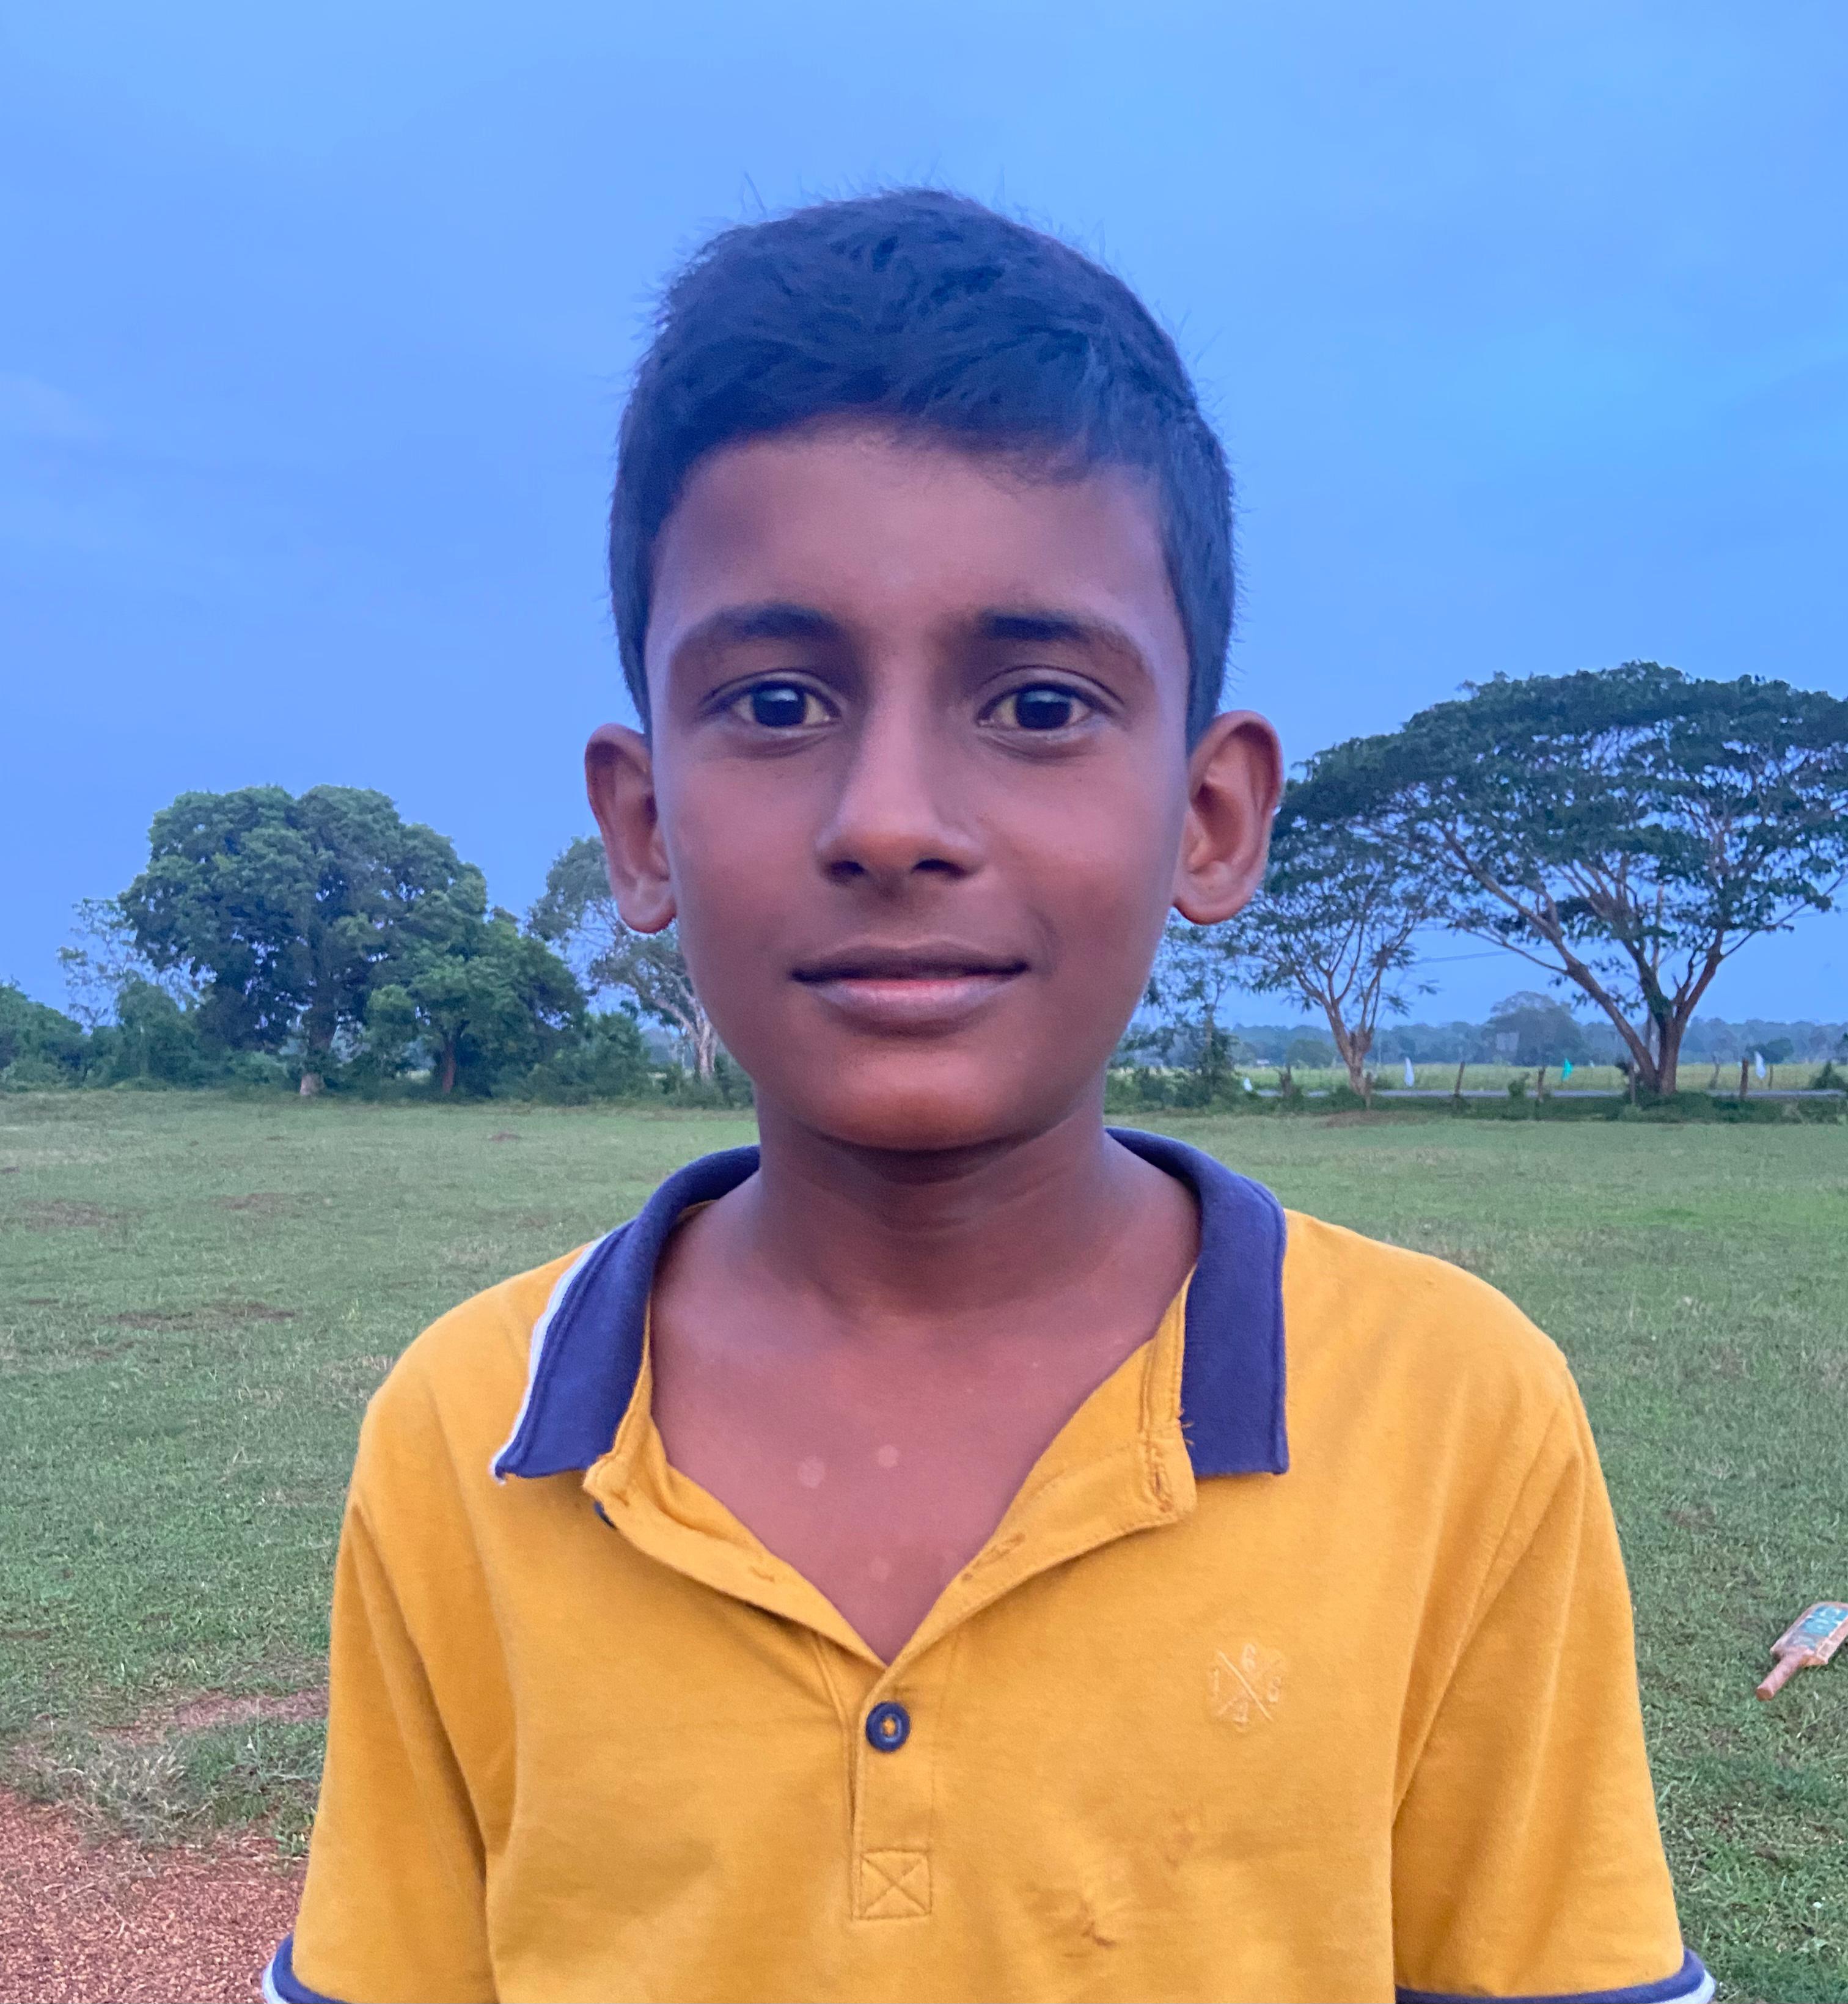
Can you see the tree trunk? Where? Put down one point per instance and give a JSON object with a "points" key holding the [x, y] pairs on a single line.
{"points": [[705, 1046], [1351, 1046], [1744, 1068], [446, 1081], [317, 1042], [1669, 1032], [1458, 1094]]}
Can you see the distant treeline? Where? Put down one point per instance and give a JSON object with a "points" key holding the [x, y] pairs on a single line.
{"points": [[1503, 1039]]}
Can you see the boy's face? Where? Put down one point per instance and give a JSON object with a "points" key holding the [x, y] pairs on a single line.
{"points": [[918, 788]]}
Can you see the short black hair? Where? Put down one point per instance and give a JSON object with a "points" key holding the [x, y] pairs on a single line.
{"points": [[929, 312]]}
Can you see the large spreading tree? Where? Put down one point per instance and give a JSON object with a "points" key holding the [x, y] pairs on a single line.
{"points": [[288, 911], [1626, 830], [1195, 967]]}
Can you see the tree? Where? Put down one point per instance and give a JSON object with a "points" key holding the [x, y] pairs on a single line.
{"points": [[577, 910], [153, 1037], [1195, 967], [1544, 1030], [106, 962], [288, 911], [39, 1045], [1627, 830], [1333, 926], [486, 999], [1775, 1051]]}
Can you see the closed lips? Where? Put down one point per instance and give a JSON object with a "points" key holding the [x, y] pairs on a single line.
{"points": [[933, 963]]}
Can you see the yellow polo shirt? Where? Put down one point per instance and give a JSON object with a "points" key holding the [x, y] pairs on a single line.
{"points": [[1300, 1668]]}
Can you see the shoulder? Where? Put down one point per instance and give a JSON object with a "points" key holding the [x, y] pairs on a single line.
{"points": [[453, 1396], [1413, 1337]]}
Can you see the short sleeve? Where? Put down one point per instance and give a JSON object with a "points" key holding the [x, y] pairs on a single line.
{"points": [[394, 1908], [1527, 1860]]}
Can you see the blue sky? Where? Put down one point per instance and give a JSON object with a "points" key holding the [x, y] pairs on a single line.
{"points": [[1527, 329]]}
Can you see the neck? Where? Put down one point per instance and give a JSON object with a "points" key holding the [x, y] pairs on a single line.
{"points": [[898, 1236]]}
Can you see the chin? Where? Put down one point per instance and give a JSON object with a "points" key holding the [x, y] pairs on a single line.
{"points": [[908, 1103]]}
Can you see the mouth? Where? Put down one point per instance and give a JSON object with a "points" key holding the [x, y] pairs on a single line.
{"points": [[933, 986]]}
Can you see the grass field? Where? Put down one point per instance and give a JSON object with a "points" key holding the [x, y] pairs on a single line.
{"points": [[197, 1294]]}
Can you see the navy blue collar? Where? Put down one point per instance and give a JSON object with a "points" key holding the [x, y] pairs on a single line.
{"points": [[586, 1352]]}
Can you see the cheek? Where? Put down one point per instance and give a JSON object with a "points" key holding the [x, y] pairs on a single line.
{"points": [[1104, 880], [738, 854]]}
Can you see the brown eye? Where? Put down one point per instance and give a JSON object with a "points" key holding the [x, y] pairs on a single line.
{"points": [[1040, 706], [780, 706]]}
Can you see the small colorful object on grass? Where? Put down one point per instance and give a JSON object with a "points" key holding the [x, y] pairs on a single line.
{"points": [[1808, 1643]]}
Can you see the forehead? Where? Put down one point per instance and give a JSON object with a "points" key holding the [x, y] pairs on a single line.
{"points": [[886, 534]]}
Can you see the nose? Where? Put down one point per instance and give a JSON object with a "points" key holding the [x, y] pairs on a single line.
{"points": [[899, 813]]}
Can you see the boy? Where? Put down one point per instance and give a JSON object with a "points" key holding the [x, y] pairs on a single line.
{"points": [[891, 1566]]}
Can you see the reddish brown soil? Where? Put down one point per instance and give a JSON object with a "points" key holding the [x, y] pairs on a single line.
{"points": [[108, 1923], [196, 1714]]}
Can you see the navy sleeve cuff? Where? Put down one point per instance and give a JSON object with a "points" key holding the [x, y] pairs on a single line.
{"points": [[280, 1985], [1689, 1985]]}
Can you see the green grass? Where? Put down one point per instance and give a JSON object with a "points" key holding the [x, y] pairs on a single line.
{"points": [[197, 1294]]}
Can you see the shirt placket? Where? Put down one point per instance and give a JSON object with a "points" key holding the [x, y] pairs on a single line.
{"points": [[898, 1728]]}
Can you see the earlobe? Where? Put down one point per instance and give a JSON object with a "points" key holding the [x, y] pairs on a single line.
{"points": [[619, 779], [1235, 779]]}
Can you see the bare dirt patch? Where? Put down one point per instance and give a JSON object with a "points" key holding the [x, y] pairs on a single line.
{"points": [[60, 1214], [262, 1204], [210, 1315], [81, 1921], [214, 1708]]}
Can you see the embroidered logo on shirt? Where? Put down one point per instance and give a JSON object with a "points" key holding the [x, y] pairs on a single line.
{"points": [[1248, 1687]]}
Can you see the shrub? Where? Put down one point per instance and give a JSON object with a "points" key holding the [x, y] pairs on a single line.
{"points": [[606, 1059], [39, 1045]]}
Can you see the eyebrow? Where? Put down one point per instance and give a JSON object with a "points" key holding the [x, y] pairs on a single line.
{"points": [[1044, 626], [771, 619]]}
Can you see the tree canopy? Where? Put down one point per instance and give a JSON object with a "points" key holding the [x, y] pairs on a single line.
{"points": [[483, 997], [288, 911], [1530, 1029], [1626, 830]]}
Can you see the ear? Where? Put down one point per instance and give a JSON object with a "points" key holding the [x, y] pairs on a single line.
{"points": [[619, 777], [1234, 780]]}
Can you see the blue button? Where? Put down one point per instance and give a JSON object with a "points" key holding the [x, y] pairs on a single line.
{"points": [[888, 1727]]}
